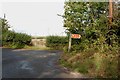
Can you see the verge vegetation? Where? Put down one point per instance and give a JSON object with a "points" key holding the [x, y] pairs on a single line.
{"points": [[96, 53], [56, 42]]}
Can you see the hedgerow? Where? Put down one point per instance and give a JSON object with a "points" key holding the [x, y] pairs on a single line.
{"points": [[13, 39], [56, 42]]}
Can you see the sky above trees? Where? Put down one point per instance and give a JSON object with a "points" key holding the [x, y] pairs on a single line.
{"points": [[35, 18]]}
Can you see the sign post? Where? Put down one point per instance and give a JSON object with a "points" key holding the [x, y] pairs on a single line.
{"points": [[75, 36], [70, 40]]}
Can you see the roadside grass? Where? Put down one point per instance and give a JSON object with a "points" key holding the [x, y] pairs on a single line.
{"points": [[92, 63], [36, 48], [33, 48]]}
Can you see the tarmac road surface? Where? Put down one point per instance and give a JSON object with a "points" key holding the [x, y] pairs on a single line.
{"points": [[19, 63]]}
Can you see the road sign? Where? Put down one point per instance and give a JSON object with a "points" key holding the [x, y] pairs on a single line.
{"points": [[76, 36]]}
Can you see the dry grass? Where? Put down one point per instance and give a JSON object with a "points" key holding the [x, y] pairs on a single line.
{"points": [[36, 48], [96, 64]]}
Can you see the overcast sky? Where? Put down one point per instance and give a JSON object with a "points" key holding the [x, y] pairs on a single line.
{"points": [[35, 18]]}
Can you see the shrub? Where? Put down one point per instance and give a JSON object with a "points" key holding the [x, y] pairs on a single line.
{"points": [[7, 37], [22, 38], [11, 38], [15, 40], [17, 45], [56, 42]]}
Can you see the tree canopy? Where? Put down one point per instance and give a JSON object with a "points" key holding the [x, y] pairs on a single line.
{"points": [[90, 19]]}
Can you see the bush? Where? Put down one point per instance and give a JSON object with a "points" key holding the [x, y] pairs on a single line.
{"points": [[22, 38], [7, 37], [11, 38], [56, 42], [15, 40], [17, 45]]}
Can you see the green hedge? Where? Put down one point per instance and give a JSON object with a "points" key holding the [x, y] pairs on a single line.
{"points": [[11, 38], [56, 42], [15, 40]]}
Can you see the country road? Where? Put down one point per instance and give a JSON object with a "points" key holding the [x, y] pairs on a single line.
{"points": [[19, 63]]}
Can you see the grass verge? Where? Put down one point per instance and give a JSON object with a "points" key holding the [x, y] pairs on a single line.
{"points": [[92, 63], [36, 48]]}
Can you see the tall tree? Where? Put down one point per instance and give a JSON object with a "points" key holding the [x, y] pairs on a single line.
{"points": [[90, 19]]}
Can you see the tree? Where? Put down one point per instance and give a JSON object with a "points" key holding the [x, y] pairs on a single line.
{"points": [[99, 41], [11, 38], [4, 24], [90, 20]]}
